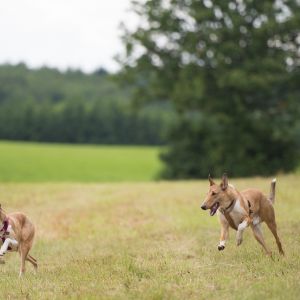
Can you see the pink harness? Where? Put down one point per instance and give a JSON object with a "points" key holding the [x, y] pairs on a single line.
{"points": [[4, 231]]}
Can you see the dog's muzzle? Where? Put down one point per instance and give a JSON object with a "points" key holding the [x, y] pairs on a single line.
{"points": [[204, 207]]}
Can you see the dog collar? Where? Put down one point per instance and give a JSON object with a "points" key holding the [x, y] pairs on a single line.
{"points": [[230, 205], [5, 224], [225, 210]]}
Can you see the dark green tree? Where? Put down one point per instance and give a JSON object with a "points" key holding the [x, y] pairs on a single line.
{"points": [[230, 69]]}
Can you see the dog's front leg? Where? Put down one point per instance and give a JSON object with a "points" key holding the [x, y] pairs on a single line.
{"points": [[240, 231], [5, 246], [224, 232]]}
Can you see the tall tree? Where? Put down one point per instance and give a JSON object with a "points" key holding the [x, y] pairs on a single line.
{"points": [[231, 69]]}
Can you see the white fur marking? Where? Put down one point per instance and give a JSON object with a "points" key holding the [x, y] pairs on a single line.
{"points": [[243, 225], [222, 243], [237, 207], [256, 220], [6, 244], [239, 234]]}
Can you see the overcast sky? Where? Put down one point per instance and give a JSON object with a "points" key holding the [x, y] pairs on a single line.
{"points": [[62, 33]]}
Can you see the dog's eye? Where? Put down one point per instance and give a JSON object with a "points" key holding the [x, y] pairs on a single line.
{"points": [[214, 193]]}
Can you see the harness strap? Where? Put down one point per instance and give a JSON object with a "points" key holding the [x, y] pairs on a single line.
{"points": [[5, 232], [250, 210], [4, 228], [5, 225]]}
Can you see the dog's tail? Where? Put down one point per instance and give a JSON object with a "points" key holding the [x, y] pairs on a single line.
{"points": [[272, 191]]}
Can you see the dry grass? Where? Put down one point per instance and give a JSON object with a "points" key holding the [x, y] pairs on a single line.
{"points": [[147, 241]]}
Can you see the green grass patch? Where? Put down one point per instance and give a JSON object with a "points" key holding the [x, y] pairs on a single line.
{"points": [[147, 241], [34, 162]]}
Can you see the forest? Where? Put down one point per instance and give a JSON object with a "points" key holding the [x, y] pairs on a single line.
{"points": [[48, 105]]}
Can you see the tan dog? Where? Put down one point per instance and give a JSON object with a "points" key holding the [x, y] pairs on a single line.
{"points": [[17, 234], [241, 209]]}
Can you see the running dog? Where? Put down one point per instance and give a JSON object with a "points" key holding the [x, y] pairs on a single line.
{"points": [[17, 234], [238, 210]]}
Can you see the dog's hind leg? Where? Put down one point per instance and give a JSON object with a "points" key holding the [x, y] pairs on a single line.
{"points": [[23, 250], [273, 227], [259, 237], [32, 261], [30, 256]]}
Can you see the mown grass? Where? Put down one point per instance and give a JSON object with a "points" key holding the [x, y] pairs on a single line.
{"points": [[34, 162], [147, 241]]}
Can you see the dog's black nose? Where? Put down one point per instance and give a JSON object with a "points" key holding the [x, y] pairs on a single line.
{"points": [[203, 207]]}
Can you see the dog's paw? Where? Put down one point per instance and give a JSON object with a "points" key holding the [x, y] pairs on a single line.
{"points": [[221, 247], [239, 241]]}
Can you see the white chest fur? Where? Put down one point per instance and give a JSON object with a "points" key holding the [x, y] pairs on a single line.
{"points": [[238, 213], [256, 220]]}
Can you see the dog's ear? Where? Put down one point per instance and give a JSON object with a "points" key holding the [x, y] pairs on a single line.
{"points": [[224, 183], [211, 182]]}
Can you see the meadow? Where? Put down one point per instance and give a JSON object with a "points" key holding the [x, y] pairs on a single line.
{"points": [[147, 241], [36, 162]]}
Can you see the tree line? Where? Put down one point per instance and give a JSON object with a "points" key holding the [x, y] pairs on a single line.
{"points": [[72, 107]]}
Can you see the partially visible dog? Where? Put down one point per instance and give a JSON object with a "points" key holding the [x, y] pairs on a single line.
{"points": [[241, 209], [17, 234]]}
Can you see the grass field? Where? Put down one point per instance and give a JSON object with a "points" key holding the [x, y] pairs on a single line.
{"points": [[32, 162], [147, 241]]}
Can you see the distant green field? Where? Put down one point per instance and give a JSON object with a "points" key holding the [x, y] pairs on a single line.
{"points": [[34, 162]]}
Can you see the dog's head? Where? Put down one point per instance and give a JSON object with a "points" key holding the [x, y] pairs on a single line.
{"points": [[217, 196]]}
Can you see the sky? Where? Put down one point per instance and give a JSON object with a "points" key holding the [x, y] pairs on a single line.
{"points": [[82, 34]]}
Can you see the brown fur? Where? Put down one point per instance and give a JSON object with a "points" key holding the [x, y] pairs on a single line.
{"points": [[242, 209], [23, 232]]}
